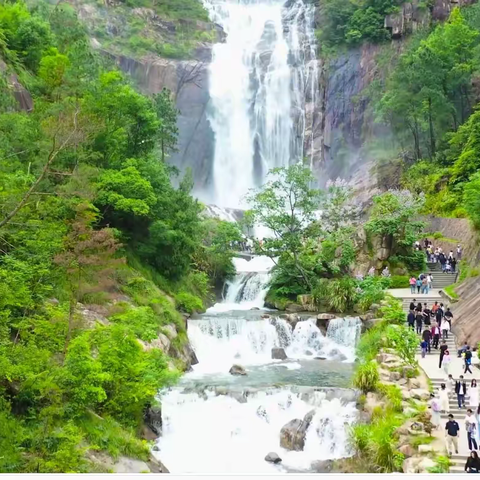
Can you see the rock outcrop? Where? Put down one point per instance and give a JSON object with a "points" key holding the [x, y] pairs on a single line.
{"points": [[278, 353], [237, 370], [292, 435], [20, 93], [465, 324]]}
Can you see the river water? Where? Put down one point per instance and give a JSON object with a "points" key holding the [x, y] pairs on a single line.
{"points": [[215, 422]]}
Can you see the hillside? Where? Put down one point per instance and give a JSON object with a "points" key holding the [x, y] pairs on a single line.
{"points": [[101, 258]]}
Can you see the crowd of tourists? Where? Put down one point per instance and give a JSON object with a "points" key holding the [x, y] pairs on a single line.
{"points": [[448, 261], [434, 325]]}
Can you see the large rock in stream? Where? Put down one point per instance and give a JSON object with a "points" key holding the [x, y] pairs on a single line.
{"points": [[278, 353], [292, 435], [237, 370]]}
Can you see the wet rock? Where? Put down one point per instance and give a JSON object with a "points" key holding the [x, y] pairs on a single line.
{"points": [[278, 353], [292, 320], [237, 370], [292, 435], [320, 358], [265, 315], [308, 352], [254, 308], [294, 308], [272, 457], [153, 418], [262, 413], [322, 466], [407, 450], [240, 397], [337, 355], [325, 316]]}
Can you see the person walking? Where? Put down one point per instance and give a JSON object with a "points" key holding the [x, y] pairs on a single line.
{"points": [[413, 284], [447, 359], [430, 281], [439, 316], [461, 391], [411, 320], [459, 252], [471, 429], [445, 330], [419, 284], [448, 315], [453, 263], [423, 346], [425, 285], [435, 336], [472, 465], [419, 321], [436, 408], [412, 303], [443, 349], [452, 428], [450, 384], [473, 394], [443, 396], [477, 416], [427, 336], [462, 349], [426, 315], [468, 360]]}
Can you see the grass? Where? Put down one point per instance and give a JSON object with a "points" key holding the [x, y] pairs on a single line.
{"points": [[108, 435], [450, 291]]}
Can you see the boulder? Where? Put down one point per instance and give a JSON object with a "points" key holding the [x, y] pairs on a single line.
{"points": [[237, 370], [402, 382], [321, 466], [420, 394], [170, 330], [292, 320], [292, 435], [425, 449], [425, 464], [130, 465], [408, 371], [410, 465], [406, 395], [265, 315], [417, 426], [254, 308], [395, 376], [325, 316], [319, 358], [407, 450], [294, 308], [337, 355], [415, 433], [272, 457], [414, 383], [367, 316], [153, 418], [278, 353]]}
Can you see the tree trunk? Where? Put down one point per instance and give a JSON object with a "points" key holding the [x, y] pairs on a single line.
{"points": [[430, 124]]}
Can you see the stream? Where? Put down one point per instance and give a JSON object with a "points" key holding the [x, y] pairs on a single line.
{"points": [[214, 422]]}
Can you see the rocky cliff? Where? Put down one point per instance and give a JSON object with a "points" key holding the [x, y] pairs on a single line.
{"points": [[348, 119]]}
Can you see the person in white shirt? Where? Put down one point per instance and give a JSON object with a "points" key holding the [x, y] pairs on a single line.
{"points": [[473, 394], [446, 362], [429, 281], [443, 395], [471, 429]]}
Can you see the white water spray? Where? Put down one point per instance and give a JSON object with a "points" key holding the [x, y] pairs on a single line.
{"points": [[260, 80], [217, 434]]}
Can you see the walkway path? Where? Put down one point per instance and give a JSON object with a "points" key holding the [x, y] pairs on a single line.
{"points": [[429, 364]]}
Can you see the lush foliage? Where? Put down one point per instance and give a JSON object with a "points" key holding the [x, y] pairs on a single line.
{"points": [[82, 187], [367, 377], [392, 218], [350, 22]]}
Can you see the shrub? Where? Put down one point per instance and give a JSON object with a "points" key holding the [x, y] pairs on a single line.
{"points": [[188, 302], [338, 294], [399, 281], [392, 311], [370, 342], [404, 341], [366, 377], [371, 290]]}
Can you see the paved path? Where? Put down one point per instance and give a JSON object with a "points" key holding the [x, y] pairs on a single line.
{"points": [[429, 364], [437, 375]]}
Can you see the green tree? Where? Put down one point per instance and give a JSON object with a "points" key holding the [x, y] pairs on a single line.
{"points": [[167, 115], [286, 205], [471, 199]]}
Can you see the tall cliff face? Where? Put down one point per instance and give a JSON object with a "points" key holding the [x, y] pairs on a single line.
{"points": [[348, 118]]}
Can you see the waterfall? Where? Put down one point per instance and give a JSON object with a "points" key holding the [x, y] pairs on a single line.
{"points": [[217, 434], [220, 341], [345, 331], [261, 79]]}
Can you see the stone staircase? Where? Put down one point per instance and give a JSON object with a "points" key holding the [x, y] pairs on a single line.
{"points": [[440, 279]]}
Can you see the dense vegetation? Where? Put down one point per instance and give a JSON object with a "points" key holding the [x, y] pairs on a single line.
{"points": [[349, 22], [82, 189], [429, 101], [317, 253]]}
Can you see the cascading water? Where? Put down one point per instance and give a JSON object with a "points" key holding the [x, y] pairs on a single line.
{"points": [[209, 433], [260, 81]]}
